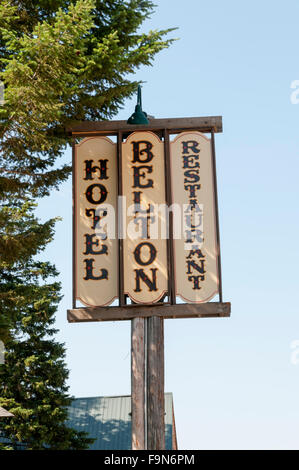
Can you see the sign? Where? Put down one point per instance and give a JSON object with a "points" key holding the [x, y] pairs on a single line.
{"points": [[195, 250], [145, 253], [146, 220], [96, 246]]}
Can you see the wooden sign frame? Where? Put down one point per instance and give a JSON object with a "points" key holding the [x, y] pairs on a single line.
{"points": [[163, 128]]}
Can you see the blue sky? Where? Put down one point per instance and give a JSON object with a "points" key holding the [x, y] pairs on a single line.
{"points": [[233, 380]]}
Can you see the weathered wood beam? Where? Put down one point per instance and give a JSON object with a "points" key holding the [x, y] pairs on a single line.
{"points": [[138, 383], [128, 312], [173, 125], [155, 384]]}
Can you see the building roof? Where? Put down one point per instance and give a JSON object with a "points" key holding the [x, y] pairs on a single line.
{"points": [[4, 413], [108, 420]]}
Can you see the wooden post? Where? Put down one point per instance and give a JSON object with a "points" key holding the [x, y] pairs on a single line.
{"points": [[138, 383], [155, 384]]}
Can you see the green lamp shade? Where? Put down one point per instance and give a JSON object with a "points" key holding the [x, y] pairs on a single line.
{"points": [[139, 116]]}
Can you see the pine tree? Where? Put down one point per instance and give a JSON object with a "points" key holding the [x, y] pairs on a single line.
{"points": [[32, 380], [61, 61]]}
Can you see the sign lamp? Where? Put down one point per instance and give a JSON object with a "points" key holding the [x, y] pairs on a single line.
{"points": [[139, 116]]}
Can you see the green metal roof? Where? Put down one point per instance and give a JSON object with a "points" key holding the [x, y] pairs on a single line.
{"points": [[108, 420]]}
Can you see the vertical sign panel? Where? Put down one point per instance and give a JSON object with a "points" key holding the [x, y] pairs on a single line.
{"points": [[195, 244], [96, 261], [145, 256]]}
